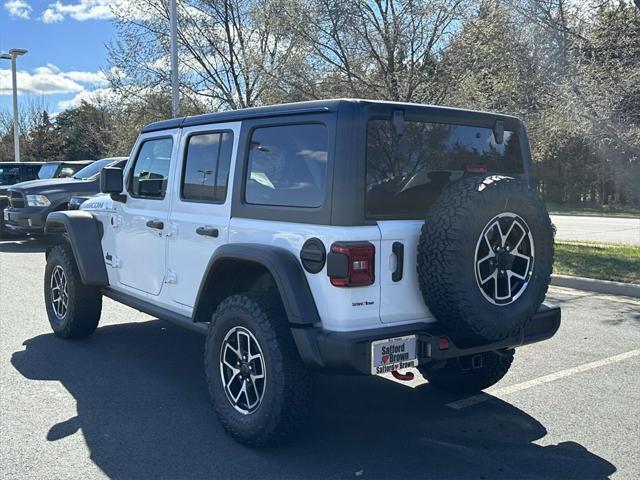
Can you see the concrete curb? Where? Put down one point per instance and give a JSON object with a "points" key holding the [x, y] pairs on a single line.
{"points": [[598, 286], [633, 217]]}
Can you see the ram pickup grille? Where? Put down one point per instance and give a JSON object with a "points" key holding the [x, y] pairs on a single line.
{"points": [[16, 199]]}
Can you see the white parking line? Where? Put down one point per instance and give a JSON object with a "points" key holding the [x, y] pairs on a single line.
{"points": [[498, 392]]}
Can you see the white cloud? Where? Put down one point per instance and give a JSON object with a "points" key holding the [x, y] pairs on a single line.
{"points": [[98, 95], [80, 10], [94, 78], [51, 16], [18, 8], [38, 83], [49, 79], [48, 69]]}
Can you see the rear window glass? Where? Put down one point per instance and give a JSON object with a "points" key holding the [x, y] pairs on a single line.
{"points": [[406, 173], [287, 166]]}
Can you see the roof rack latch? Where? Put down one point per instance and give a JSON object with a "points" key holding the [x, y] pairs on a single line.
{"points": [[498, 131], [397, 120]]}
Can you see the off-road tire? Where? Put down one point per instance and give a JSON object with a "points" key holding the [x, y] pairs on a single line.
{"points": [[84, 302], [288, 390], [447, 249], [457, 376]]}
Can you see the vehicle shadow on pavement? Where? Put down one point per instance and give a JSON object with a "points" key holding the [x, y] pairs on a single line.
{"points": [[144, 412], [24, 245]]}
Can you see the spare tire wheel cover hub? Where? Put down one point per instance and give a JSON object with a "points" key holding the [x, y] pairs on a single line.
{"points": [[504, 259]]}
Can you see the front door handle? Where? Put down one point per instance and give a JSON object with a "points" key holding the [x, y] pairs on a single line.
{"points": [[208, 231], [157, 224]]}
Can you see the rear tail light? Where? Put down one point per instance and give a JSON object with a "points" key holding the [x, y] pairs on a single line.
{"points": [[351, 264]]}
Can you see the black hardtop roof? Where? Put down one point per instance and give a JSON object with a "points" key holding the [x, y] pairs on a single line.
{"points": [[315, 106]]}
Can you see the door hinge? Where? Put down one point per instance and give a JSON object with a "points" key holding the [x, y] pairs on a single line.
{"points": [[116, 220], [112, 260], [171, 277]]}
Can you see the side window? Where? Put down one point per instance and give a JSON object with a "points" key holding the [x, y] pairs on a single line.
{"points": [[206, 167], [151, 169], [287, 166], [30, 172]]}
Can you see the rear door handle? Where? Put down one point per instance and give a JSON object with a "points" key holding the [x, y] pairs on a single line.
{"points": [[398, 250], [208, 231], [157, 224]]}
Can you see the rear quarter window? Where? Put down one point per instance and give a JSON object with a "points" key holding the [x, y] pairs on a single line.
{"points": [[406, 173], [287, 166]]}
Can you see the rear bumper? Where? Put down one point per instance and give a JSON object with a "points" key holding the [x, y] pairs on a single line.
{"points": [[350, 352]]}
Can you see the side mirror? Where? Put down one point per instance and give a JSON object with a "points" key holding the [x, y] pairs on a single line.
{"points": [[111, 181]]}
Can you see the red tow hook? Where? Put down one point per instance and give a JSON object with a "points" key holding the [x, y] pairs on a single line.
{"points": [[405, 377]]}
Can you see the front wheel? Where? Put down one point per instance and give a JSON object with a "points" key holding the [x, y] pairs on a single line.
{"points": [[260, 388], [470, 374], [73, 308]]}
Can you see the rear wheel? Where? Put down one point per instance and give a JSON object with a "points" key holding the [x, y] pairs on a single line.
{"points": [[72, 307], [260, 388], [470, 374]]}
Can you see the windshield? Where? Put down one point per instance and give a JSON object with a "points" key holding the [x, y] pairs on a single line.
{"points": [[9, 175], [93, 170], [48, 170]]}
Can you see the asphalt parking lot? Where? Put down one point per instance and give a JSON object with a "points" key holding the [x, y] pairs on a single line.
{"points": [[130, 402]]}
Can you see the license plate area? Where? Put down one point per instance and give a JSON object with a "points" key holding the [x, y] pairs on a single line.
{"points": [[393, 354], [6, 216]]}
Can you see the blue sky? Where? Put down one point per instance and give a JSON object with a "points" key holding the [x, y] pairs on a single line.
{"points": [[66, 42]]}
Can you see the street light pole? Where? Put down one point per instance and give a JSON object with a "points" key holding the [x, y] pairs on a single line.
{"points": [[175, 92], [12, 55]]}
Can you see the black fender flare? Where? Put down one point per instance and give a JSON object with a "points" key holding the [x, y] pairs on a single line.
{"points": [[84, 233], [286, 271]]}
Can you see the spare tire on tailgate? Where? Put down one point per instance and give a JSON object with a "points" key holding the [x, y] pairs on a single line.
{"points": [[485, 257]]}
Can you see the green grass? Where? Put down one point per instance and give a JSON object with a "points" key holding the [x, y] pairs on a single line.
{"points": [[604, 211], [605, 262]]}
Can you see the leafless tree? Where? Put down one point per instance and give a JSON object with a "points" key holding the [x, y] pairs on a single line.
{"points": [[376, 48], [230, 50]]}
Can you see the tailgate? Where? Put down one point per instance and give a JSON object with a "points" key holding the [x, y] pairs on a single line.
{"points": [[400, 296]]}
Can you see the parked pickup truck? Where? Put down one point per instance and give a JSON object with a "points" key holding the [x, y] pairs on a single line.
{"points": [[12, 173], [31, 202], [340, 236]]}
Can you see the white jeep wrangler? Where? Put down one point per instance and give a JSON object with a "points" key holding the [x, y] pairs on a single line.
{"points": [[342, 236]]}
